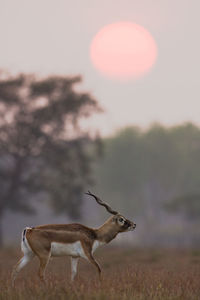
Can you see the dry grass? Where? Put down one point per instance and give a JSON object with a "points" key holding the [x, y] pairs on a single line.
{"points": [[127, 274]]}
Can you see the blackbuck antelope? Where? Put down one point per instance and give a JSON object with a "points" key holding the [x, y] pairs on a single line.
{"points": [[74, 240]]}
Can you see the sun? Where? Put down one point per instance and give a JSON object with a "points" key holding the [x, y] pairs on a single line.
{"points": [[123, 51]]}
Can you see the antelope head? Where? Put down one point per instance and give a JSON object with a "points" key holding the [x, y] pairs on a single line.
{"points": [[121, 223]]}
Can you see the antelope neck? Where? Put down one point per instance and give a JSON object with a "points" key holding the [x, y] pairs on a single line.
{"points": [[106, 232]]}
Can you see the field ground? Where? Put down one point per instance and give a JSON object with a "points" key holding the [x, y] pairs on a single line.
{"points": [[127, 274]]}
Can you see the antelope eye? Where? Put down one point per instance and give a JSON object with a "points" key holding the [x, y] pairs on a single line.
{"points": [[121, 220]]}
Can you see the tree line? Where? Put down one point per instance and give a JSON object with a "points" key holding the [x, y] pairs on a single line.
{"points": [[148, 172]]}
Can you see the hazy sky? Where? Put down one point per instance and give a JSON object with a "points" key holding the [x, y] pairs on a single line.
{"points": [[53, 36]]}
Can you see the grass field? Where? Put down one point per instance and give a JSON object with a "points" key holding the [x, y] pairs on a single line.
{"points": [[127, 274]]}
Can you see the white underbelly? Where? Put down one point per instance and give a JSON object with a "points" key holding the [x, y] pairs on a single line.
{"points": [[62, 249]]}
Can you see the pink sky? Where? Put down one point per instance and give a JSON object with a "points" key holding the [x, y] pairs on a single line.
{"points": [[54, 36]]}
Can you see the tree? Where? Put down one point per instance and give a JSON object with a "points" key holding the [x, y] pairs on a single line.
{"points": [[42, 146]]}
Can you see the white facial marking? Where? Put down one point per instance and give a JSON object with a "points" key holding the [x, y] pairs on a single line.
{"points": [[121, 220]]}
